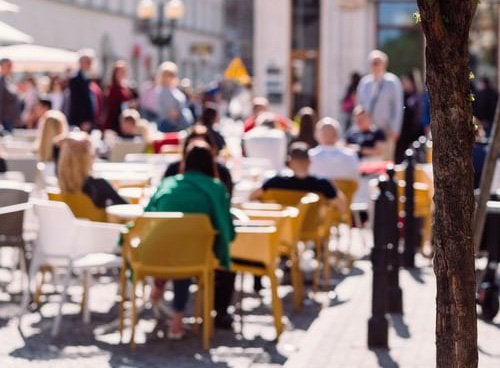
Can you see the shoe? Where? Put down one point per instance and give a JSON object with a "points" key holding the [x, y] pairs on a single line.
{"points": [[223, 322]]}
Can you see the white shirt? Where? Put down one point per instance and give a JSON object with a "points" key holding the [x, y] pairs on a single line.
{"points": [[264, 142], [333, 162]]}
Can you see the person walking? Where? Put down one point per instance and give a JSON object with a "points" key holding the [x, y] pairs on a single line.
{"points": [[10, 105]]}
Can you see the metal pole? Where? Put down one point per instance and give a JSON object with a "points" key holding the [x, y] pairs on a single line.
{"points": [[173, 25], [487, 179], [394, 292], [378, 326], [410, 223], [159, 32]]}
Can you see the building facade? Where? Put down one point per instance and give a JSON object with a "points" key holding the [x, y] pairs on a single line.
{"points": [[111, 28], [306, 50]]}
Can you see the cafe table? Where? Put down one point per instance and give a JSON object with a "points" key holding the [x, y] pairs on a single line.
{"points": [[123, 213]]}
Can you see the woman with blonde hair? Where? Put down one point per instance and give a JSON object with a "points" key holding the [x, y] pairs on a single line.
{"points": [[74, 173], [53, 125]]}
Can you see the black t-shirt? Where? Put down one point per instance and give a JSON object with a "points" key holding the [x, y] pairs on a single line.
{"points": [[101, 192], [309, 184], [224, 174], [365, 139], [3, 165]]}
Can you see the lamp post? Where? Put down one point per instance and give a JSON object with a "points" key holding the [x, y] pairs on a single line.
{"points": [[161, 32]]}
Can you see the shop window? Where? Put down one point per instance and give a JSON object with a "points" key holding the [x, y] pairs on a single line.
{"points": [[305, 34]]}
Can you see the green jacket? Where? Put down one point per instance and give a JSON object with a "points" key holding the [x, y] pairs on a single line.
{"points": [[194, 192]]}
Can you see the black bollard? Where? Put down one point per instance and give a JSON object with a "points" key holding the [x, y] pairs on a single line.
{"points": [[378, 326], [410, 223], [394, 292], [415, 146]]}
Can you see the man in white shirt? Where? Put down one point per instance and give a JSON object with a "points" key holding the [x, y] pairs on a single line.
{"points": [[266, 141], [329, 160], [381, 95]]}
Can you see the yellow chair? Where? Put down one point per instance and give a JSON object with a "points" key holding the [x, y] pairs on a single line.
{"points": [[255, 251], [170, 245], [80, 204], [289, 238], [423, 188], [315, 226], [348, 187]]}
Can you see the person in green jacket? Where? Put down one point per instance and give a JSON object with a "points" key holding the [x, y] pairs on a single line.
{"points": [[196, 190]]}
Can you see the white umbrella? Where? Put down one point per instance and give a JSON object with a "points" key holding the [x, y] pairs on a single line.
{"points": [[9, 7], [10, 35], [35, 58]]}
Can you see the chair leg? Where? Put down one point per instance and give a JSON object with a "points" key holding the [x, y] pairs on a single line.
{"points": [[207, 309], [85, 297], [276, 304], [297, 282], [211, 293], [326, 264], [134, 313], [57, 321], [38, 290], [198, 306], [123, 292], [317, 272], [24, 268]]}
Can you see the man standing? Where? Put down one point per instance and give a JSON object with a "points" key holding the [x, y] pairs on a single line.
{"points": [[83, 100], [381, 95], [10, 105]]}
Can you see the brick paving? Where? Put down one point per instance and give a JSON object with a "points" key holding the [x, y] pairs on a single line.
{"points": [[338, 337], [326, 333]]}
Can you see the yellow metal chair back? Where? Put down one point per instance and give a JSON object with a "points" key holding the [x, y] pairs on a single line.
{"points": [[312, 217], [170, 245], [80, 204], [349, 188], [293, 220], [255, 251]]}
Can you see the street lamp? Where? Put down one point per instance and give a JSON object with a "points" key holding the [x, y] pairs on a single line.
{"points": [[161, 32]]}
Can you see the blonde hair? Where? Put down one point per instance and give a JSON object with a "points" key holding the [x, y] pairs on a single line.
{"points": [[75, 164], [53, 124]]}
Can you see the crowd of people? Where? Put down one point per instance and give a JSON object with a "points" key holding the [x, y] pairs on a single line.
{"points": [[385, 115]]}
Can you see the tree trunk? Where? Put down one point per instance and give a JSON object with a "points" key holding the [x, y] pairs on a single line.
{"points": [[446, 26]]}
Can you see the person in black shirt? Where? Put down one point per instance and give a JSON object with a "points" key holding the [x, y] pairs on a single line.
{"points": [[364, 137], [298, 162], [201, 132], [73, 173]]}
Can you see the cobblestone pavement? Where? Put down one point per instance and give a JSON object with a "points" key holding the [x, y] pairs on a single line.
{"points": [[338, 337], [98, 344], [325, 333]]}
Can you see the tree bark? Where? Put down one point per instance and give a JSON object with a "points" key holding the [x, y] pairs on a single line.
{"points": [[446, 26]]}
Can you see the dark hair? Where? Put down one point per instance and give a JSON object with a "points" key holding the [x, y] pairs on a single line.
{"points": [[209, 114], [45, 102], [298, 151], [199, 132], [199, 157], [307, 121]]}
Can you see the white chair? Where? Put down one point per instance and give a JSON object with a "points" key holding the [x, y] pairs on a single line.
{"points": [[69, 244]]}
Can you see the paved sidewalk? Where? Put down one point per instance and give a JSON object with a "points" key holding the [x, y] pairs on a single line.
{"points": [[338, 337]]}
